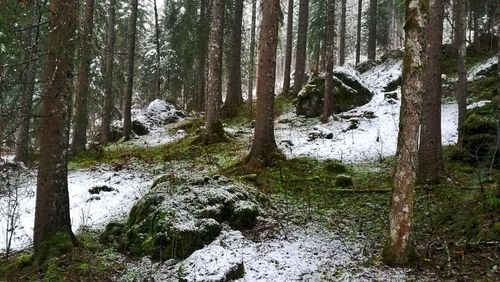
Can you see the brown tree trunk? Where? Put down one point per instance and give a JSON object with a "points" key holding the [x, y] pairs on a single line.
{"points": [[80, 118], [430, 151], [203, 45], [462, 71], [251, 72], [52, 218], [288, 48], [158, 55], [330, 26], [398, 248], [127, 108], [342, 34], [214, 132], [108, 80], [264, 148], [372, 31], [358, 34], [233, 94], [300, 58]]}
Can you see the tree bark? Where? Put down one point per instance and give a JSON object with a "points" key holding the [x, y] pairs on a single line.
{"points": [[52, 218], [127, 114], [398, 248], [264, 149], [80, 118], [288, 48], [251, 72], [430, 151], [358, 34], [203, 46], [158, 55], [108, 80], [462, 71], [330, 26], [372, 31], [300, 58], [342, 34]]}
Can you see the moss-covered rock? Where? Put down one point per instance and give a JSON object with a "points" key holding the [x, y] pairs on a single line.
{"points": [[343, 181]]}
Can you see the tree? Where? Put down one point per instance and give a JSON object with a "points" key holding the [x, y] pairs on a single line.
{"points": [[80, 118], [158, 54], [342, 34], [358, 34], [430, 151], [372, 31], [108, 79], [233, 94], [398, 248], [330, 25], [288, 48], [264, 149], [460, 30], [127, 114], [52, 218], [300, 58], [251, 75], [203, 30]]}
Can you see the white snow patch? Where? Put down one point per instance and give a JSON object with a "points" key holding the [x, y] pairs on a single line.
{"points": [[473, 71], [479, 104]]}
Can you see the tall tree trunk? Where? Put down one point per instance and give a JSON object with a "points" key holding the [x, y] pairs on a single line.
{"points": [[462, 71], [358, 34], [430, 151], [203, 46], [80, 119], [264, 148], [127, 114], [372, 31], [108, 80], [251, 72], [300, 58], [52, 218], [342, 34], [288, 48], [214, 132], [233, 94], [158, 55], [330, 26], [398, 248]]}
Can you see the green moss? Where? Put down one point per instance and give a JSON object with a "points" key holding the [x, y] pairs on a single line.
{"points": [[343, 181], [54, 245]]}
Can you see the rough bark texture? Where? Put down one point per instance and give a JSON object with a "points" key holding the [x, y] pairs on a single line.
{"points": [[358, 35], [430, 151], [158, 55], [288, 48], [398, 248], [203, 46], [214, 131], [80, 118], [127, 108], [330, 25], [251, 72], [233, 94], [300, 58], [342, 34], [264, 148], [372, 31], [462, 71], [108, 80], [52, 218]]}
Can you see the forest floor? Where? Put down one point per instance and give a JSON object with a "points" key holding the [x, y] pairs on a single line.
{"points": [[315, 230]]}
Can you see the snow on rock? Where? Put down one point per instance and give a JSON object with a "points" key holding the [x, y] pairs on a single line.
{"points": [[474, 73], [156, 115], [479, 104]]}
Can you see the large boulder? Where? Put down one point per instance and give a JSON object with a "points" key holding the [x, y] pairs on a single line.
{"points": [[349, 92], [157, 114]]}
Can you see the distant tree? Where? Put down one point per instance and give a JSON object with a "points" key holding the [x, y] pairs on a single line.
{"points": [[430, 151], [80, 118], [108, 72], [398, 246], [372, 30], [300, 58], [52, 218], [460, 30], [251, 75], [264, 149], [127, 114], [330, 25], [342, 33], [358, 34], [288, 48], [158, 94], [203, 30]]}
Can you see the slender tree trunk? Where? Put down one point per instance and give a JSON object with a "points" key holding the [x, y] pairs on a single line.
{"points": [[108, 80], [288, 48], [300, 58], [264, 148], [251, 72], [52, 218], [430, 151], [342, 34], [127, 114], [330, 26], [398, 247], [462, 71], [158, 55], [203, 45], [358, 35], [233, 94], [315, 56], [80, 119], [372, 31]]}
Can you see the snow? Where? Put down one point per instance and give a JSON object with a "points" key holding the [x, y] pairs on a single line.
{"points": [[479, 104], [473, 72]]}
